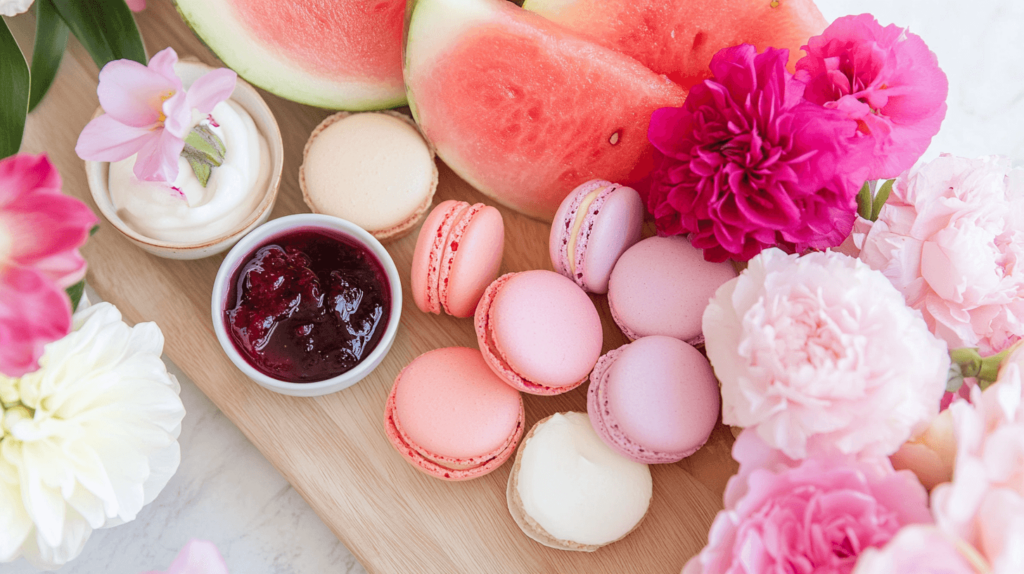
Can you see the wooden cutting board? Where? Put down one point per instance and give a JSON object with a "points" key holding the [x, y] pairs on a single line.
{"points": [[333, 449]]}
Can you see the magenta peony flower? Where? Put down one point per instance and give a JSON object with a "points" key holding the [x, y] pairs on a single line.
{"points": [[886, 80], [951, 239], [815, 515], [820, 353], [40, 233], [747, 164], [149, 113], [984, 504]]}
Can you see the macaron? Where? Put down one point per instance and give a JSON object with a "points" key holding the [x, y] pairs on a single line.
{"points": [[374, 169], [450, 417], [661, 286], [458, 254], [595, 224], [568, 490], [538, 331], [654, 400]]}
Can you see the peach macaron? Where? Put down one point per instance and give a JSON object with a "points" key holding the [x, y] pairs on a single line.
{"points": [[538, 331], [654, 401], [450, 417], [458, 254], [661, 286]]}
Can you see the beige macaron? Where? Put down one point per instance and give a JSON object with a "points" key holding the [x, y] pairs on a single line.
{"points": [[375, 169], [562, 464]]}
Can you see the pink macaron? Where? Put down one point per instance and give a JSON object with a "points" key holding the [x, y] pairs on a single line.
{"points": [[595, 224], [458, 254], [654, 400], [661, 286], [538, 331], [451, 417]]}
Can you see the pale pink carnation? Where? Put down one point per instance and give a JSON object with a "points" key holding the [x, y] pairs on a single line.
{"points": [[820, 353], [951, 239], [816, 515], [886, 80], [922, 549], [984, 504]]}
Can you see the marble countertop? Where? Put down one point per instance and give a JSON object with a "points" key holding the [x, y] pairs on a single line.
{"points": [[226, 492]]}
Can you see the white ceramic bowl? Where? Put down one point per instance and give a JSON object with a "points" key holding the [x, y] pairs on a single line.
{"points": [[278, 227], [245, 96]]}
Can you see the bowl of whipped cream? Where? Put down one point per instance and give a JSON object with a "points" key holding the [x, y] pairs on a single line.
{"points": [[186, 219]]}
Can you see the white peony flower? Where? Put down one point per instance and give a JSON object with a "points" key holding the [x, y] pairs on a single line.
{"points": [[820, 353], [88, 439], [14, 7]]}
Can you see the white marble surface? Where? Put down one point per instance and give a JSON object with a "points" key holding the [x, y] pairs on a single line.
{"points": [[225, 491]]}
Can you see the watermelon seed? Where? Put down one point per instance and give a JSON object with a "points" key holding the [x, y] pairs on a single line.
{"points": [[614, 139]]}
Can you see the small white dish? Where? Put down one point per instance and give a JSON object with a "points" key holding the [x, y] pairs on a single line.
{"points": [[244, 248], [97, 174]]}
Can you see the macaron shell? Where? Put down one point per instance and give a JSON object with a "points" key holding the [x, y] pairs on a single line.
{"points": [[563, 223], [661, 286], [609, 233], [448, 406], [539, 331], [473, 259], [655, 400], [426, 258]]}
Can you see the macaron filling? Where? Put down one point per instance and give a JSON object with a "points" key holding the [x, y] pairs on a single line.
{"points": [[436, 258], [492, 351], [451, 248]]}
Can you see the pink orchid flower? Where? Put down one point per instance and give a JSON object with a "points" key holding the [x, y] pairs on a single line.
{"points": [[36, 266], [197, 557], [149, 113]]}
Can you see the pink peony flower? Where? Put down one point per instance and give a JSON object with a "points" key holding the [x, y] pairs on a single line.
{"points": [[197, 557], [816, 515], [40, 233], [930, 455], [747, 164], [984, 504], [149, 113], [884, 78], [950, 238], [819, 353], [922, 549]]}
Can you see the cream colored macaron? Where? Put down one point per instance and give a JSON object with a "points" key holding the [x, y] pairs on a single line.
{"points": [[570, 491], [374, 169]]}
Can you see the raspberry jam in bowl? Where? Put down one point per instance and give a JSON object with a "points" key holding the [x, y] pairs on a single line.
{"points": [[307, 305]]}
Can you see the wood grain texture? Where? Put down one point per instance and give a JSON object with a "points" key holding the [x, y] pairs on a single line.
{"points": [[333, 449]]}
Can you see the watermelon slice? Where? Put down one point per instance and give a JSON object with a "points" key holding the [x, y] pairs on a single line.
{"points": [[678, 38], [523, 109], [336, 54]]}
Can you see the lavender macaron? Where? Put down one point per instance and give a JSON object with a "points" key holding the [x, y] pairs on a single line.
{"points": [[595, 224], [654, 400]]}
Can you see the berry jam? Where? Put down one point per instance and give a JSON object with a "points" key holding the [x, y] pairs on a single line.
{"points": [[309, 305]]}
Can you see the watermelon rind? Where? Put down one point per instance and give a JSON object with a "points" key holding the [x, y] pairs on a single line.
{"points": [[216, 24]]}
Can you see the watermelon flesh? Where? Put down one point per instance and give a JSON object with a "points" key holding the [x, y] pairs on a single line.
{"points": [[336, 54], [521, 108], [678, 38]]}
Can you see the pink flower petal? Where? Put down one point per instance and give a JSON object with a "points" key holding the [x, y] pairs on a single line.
{"points": [[22, 174], [136, 5], [106, 139], [33, 312], [67, 222], [163, 63], [197, 557], [158, 159], [178, 115], [211, 89], [132, 93]]}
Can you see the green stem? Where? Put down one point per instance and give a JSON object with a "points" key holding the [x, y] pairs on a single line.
{"points": [[972, 364]]}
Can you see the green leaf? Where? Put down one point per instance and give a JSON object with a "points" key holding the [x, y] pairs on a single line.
{"points": [[51, 39], [75, 292], [105, 27], [880, 198], [14, 89], [864, 201]]}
